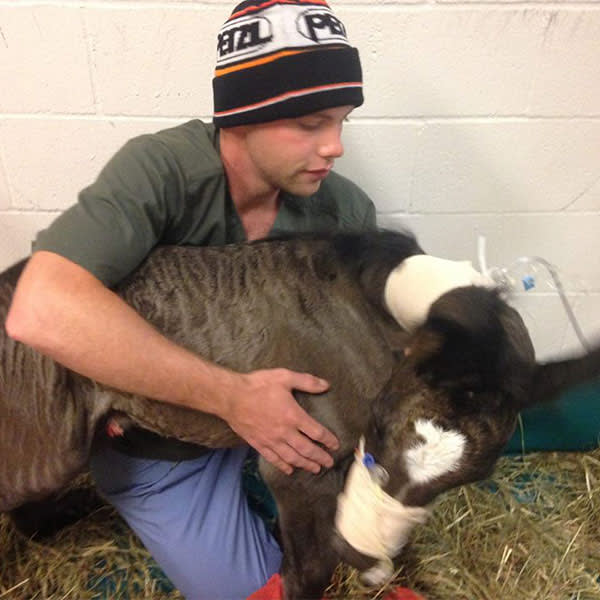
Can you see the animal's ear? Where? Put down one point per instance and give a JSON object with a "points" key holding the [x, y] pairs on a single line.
{"points": [[423, 345], [466, 311], [552, 378], [459, 343]]}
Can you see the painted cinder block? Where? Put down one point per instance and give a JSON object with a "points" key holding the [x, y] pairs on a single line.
{"points": [[154, 61], [66, 156], [508, 165], [567, 78], [17, 232], [5, 200], [550, 3], [478, 166], [550, 327], [43, 60], [380, 158], [480, 61]]}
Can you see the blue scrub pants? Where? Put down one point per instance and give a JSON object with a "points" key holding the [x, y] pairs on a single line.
{"points": [[194, 518]]}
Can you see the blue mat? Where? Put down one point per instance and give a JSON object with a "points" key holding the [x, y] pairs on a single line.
{"points": [[570, 424]]}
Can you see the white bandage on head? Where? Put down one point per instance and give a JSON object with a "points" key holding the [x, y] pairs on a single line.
{"points": [[414, 285], [373, 522]]}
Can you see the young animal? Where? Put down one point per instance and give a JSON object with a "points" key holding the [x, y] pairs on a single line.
{"points": [[428, 409]]}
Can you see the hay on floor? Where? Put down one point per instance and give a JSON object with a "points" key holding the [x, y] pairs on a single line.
{"points": [[531, 532]]}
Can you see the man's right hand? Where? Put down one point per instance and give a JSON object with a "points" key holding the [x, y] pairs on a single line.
{"points": [[262, 410]]}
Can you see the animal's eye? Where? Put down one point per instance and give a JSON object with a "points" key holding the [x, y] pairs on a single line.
{"points": [[379, 429]]}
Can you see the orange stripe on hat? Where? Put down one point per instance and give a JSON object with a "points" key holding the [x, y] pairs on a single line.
{"points": [[287, 95], [257, 61]]}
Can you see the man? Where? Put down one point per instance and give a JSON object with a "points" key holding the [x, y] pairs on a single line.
{"points": [[286, 78]]}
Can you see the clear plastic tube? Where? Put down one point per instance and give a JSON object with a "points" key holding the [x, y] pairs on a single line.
{"points": [[525, 274]]}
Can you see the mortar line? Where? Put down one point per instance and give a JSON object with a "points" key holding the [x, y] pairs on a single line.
{"points": [[4, 170], [31, 211], [366, 120], [489, 213], [89, 57], [382, 8]]}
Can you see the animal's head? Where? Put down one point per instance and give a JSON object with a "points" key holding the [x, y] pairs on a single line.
{"points": [[452, 402], [445, 416]]}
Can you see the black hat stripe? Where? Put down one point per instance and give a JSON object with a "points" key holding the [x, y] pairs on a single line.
{"points": [[288, 95]]}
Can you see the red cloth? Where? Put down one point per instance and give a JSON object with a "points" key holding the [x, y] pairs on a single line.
{"points": [[400, 593], [273, 590]]}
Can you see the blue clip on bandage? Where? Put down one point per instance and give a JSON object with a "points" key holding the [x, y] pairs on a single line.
{"points": [[368, 460]]}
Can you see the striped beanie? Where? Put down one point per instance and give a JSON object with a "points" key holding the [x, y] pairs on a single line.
{"points": [[283, 58]]}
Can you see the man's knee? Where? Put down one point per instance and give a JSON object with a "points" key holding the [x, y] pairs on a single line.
{"points": [[194, 518]]}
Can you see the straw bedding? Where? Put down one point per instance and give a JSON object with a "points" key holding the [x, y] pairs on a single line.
{"points": [[530, 532]]}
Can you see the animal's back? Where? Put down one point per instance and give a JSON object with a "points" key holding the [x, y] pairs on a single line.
{"points": [[270, 304], [252, 306]]}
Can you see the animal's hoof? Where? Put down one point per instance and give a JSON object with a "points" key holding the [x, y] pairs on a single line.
{"points": [[378, 574]]}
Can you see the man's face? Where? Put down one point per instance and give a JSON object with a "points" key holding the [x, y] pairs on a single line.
{"points": [[295, 155]]}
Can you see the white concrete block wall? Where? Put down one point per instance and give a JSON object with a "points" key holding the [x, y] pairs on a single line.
{"points": [[482, 117]]}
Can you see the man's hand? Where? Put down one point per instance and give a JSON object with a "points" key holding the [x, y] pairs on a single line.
{"points": [[263, 411]]}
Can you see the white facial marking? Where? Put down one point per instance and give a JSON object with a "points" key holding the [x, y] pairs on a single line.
{"points": [[439, 454]]}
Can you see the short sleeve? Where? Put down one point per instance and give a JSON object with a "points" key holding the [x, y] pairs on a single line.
{"points": [[122, 215]]}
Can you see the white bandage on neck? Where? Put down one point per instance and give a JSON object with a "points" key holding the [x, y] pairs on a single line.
{"points": [[373, 522], [416, 283]]}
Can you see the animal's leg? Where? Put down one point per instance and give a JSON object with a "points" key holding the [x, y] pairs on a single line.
{"points": [[43, 518], [309, 559], [306, 506]]}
